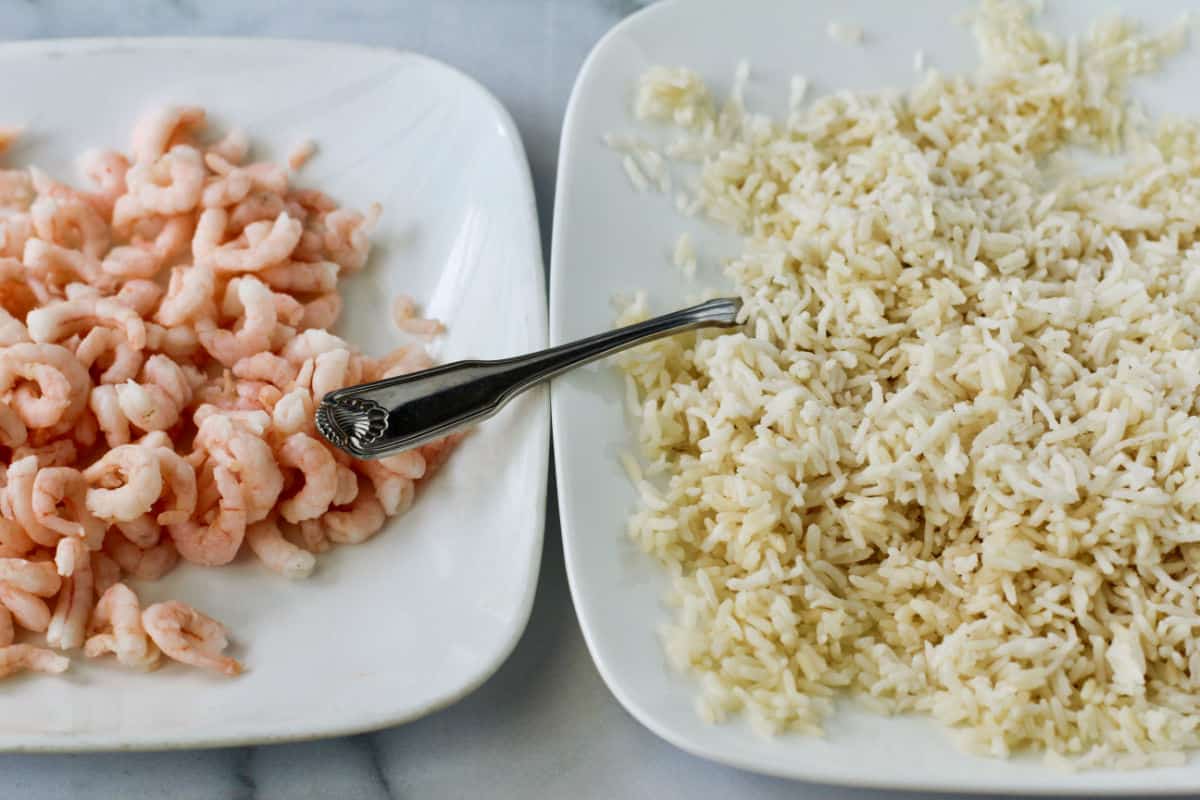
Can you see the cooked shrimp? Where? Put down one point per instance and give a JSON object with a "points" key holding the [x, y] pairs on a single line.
{"points": [[59, 453], [256, 207], [215, 535], [12, 330], [17, 657], [394, 491], [186, 635], [73, 609], [178, 343], [112, 421], [179, 487], [155, 404], [22, 474], [311, 344], [232, 149], [404, 314], [322, 312], [252, 300], [36, 577], [59, 266], [347, 236], [357, 523], [169, 185], [60, 503], [333, 370], [154, 133], [146, 564], [61, 320], [347, 486], [244, 453], [272, 248], [28, 610], [16, 189], [310, 534], [117, 628], [266, 367], [277, 553], [70, 222], [17, 291], [127, 481], [128, 261], [62, 384], [106, 169], [143, 531], [293, 413], [109, 350], [306, 454], [301, 278]]}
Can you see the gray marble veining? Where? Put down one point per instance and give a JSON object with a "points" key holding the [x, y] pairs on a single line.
{"points": [[544, 725]]}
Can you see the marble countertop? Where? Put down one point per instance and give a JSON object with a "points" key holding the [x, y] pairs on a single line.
{"points": [[544, 725]]}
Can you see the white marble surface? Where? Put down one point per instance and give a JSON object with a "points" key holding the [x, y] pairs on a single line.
{"points": [[545, 725]]}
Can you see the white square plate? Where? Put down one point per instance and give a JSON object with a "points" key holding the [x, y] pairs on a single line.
{"points": [[609, 239], [424, 612]]}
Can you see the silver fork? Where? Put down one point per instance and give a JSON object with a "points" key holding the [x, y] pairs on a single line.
{"points": [[376, 419]]}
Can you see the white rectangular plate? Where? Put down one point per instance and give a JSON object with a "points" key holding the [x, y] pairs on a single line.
{"points": [[609, 239], [424, 612]]}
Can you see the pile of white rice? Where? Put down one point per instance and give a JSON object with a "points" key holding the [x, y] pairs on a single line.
{"points": [[952, 463]]}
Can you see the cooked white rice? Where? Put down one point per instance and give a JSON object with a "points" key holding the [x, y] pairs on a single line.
{"points": [[952, 462]]}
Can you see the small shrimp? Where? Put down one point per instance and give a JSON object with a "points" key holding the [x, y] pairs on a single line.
{"points": [[62, 384], [177, 343], [141, 295], [170, 184], [16, 189], [59, 266], [17, 657], [232, 149], [310, 534], [186, 635], [293, 413], [347, 236], [127, 481], [29, 610], [277, 553], [22, 474], [322, 311], [128, 261], [145, 564], [266, 367], [272, 248], [226, 189], [215, 536], [250, 298], [70, 222], [36, 577], [356, 523], [68, 625], [244, 453], [104, 405], [312, 343], [59, 503], [394, 491], [334, 370], [154, 133], [117, 628], [404, 314], [179, 487], [301, 154], [304, 453], [17, 294], [12, 330], [106, 169], [347, 486], [189, 297], [155, 404], [61, 320], [108, 349], [301, 278], [256, 207]]}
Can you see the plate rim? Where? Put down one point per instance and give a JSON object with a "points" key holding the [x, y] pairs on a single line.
{"points": [[682, 738], [57, 742]]}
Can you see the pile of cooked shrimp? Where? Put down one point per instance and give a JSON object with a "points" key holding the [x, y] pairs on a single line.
{"points": [[163, 340]]}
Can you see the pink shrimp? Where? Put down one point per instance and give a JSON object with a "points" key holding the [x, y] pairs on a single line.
{"points": [[128, 261], [347, 486], [266, 367], [394, 491], [277, 553], [14, 542], [61, 320], [347, 236], [226, 189], [105, 571], [404, 314], [16, 189], [13, 432], [169, 185], [312, 343], [356, 523], [59, 266], [333, 370], [257, 252], [154, 133], [126, 480], [186, 635], [109, 350], [251, 299], [179, 487], [255, 207], [190, 297], [322, 312], [28, 610], [247, 456], [58, 453], [299, 277], [232, 149], [35, 577], [293, 413], [59, 502], [62, 384], [72, 223], [141, 295], [18, 657], [178, 343], [215, 536], [156, 402], [104, 405], [117, 628], [304, 453], [22, 474], [144, 531], [147, 564], [106, 169], [68, 625]]}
